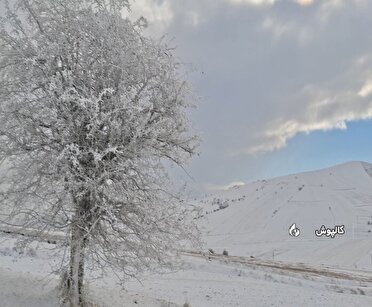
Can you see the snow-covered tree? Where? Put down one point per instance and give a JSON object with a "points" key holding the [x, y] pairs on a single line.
{"points": [[91, 110]]}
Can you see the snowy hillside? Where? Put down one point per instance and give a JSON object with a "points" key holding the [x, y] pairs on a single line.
{"points": [[265, 265], [253, 220]]}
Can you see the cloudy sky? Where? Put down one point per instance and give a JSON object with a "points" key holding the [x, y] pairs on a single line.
{"points": [[285, 85]]}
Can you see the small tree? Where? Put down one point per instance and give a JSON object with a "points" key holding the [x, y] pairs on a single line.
{"points": [[90, 110]]}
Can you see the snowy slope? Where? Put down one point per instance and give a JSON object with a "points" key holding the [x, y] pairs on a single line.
{"points": [[265, 266], [259, 214]]}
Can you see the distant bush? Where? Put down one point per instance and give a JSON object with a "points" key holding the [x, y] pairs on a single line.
{"points": [[223, 205], [211, 251]]}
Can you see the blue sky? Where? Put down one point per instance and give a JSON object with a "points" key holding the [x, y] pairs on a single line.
{"points": [[284, 85], [321, 149]]}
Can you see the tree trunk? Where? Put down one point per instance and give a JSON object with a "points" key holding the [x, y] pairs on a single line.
{"points": [[79, 241], [75, 281]]}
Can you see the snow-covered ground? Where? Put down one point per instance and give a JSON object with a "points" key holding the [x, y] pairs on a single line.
{"points": [[265, 266], [258, 217], [219, 281]]}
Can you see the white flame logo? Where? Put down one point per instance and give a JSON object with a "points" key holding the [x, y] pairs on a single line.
{"points": [[294, 231]]}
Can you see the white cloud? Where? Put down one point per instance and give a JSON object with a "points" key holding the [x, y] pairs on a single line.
{"points": [[288, 28], [254, 2], [329, 7], [159, 14], [271, 2], [304, 2], [278, 137], [216, 187], [277, 27], [366, 90], [321, 109], [304, 32], [193, 18]]}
